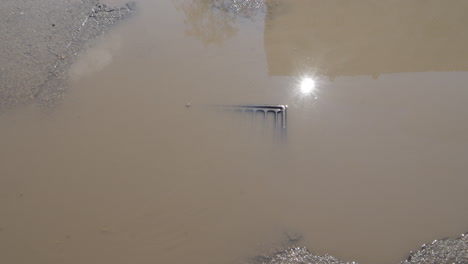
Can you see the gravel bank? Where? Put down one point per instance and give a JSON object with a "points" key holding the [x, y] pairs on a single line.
{"points": [[40, 39]]}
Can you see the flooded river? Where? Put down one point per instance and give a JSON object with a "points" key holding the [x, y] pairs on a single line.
{"points": [[142, 162]]}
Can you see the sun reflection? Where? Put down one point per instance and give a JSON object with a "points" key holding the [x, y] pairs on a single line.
{"points": [[307, 85]]}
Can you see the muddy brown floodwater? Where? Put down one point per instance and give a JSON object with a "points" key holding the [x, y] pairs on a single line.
{"points": [[373, 165]]}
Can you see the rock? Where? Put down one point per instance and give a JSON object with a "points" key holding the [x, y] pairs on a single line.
{"points": [[296, 255], [245, 8], [444, 251]]}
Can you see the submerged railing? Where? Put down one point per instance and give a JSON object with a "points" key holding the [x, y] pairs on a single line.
{"points": [[279, 111]]}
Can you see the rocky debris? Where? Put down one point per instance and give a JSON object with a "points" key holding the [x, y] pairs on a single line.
{"points": [[296, 255], [240, 6], [445, 251], [245, 8], [287, 251], [103, 12]]}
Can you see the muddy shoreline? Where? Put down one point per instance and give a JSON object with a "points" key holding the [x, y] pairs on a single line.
{"points": [[41, 39]]}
